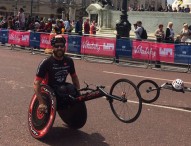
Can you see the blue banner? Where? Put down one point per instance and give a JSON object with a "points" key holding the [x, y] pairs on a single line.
{"points": [[35, 39], [74, 44], [123, 48], [182, 54], [4, 33]]}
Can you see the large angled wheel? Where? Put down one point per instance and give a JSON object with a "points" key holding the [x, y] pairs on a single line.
{"points": [[40, 123], [127, 104], [149, 90], [75, 115]]}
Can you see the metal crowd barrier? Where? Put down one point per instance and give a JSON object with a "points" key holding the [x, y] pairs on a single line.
{"points": [[122, 52]]}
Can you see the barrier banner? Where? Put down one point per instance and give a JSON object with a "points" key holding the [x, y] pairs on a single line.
{"points": [[45, 39], [74, 44], [124, 48], [182, 54], [4, 33], [35, 39], [98, 46], [163, 52], [67, 43], [153, 51], [19, 38], [0, 35], [141, 50]]}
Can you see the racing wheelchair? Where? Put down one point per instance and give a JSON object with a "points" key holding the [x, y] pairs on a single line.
{"points": [[124, 99], [150, 90]]}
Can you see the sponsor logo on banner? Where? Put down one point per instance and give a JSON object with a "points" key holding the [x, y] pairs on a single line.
{"points": [[90, 46], [108, 46], [165, 51], [19, 38], [25, 37], [45, 40], [98, 46], [144, 51], [153, 51], [14, 37]]}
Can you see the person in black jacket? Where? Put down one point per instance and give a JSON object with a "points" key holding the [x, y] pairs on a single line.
{"points": [[169, 38], [78, 26]]}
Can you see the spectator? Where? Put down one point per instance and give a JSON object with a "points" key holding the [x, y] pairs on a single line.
{"points": [[93, 28], [159, 33], [21, 17], [169, 38], [160, 9], [169, 8], [178, 39], [87, 26], [59, 26], [187, 9], [78, 26], [10, 23], [138, 30], [3, 23], [48, 26], [67, 25], [142, 8], [185, 33], [32, 24], [175, 10], [42, 26], [36, 26]]}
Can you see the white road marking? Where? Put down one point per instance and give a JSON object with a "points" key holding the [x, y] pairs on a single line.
{"points": [[140, 76], [161, 106], [168, 107]]}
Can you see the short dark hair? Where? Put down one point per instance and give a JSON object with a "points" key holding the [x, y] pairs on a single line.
{"points": [[139, 22]]}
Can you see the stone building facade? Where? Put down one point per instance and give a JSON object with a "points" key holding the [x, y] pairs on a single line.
{"points": [[75, 7], [137, 3]]}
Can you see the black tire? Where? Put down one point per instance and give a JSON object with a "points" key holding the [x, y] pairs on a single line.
{"points": [[40, 123], [129, 108], [75, 115], [147, 94]]}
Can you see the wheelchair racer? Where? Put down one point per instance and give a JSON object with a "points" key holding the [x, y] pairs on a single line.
{"points": [[54, 70]]}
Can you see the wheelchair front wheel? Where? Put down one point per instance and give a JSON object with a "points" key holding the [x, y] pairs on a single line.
{"points": [[128, 105], [149, 90]]}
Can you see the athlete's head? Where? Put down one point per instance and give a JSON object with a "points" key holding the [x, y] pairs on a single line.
{"points": [[58, 43]]}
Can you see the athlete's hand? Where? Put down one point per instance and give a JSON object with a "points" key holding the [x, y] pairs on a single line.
{"points": [[43, 108]]}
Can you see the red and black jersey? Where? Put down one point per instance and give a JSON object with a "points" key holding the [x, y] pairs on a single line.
{"points": [[54, 72]]}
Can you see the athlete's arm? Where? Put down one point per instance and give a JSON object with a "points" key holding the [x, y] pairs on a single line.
{"points": [[73, 75], [37, 91], [75, 81]]}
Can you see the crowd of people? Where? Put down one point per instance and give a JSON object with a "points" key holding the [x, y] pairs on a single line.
{"points": [[166, 35], [37, 24], [168, 8], [58, 26]]}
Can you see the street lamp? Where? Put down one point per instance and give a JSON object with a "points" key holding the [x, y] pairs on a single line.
{"points": [[15, 11], [123, 27], [31, 7]]}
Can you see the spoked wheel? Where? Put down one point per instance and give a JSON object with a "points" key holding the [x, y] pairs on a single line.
{"points": [[75, 115], [127, 104], [40, 123], [149, 90]]}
